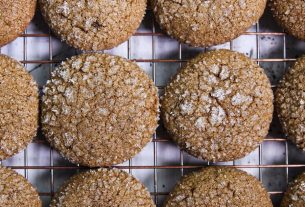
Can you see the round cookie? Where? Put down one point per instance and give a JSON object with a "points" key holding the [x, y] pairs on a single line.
{"points": [[290, 103], [219, 186], [207, 23], [14, 18], [290, 15], [103, 187], [219, 106], [15, 190], [295, 194], [99, 109], [18, 107], [102, 24]]}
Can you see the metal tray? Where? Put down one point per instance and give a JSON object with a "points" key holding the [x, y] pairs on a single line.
{"points": [[161, 164]]}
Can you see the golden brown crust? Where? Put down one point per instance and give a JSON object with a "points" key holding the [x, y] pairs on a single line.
{"points": [[290, 103], [14, 18], [99, 109], [102, 24], [16, 191], [290, 14], [18, 107], [295, 194], [218, 186], [212, 111], [207, 23], [103, 187]]}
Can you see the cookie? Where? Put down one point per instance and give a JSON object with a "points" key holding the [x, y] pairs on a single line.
{"points": [[99, 109], [295, 194], [219, 106], [102, 24], [16, 191], [18, 107], [290, 103], [206, 23], [290, 15], [218, 186], [103, 187], [14, 18]]}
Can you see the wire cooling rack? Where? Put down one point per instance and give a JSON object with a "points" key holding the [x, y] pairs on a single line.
{"points": [[161, 164]]}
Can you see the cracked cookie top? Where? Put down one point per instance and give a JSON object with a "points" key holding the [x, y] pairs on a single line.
{"points": [[219, 106], [14, 18], [18, 107], [207, 22], [16, 191], [290, 103], [295, 194], [103, 187], [99, 109], [95, 24], [290, 15], [219, 186]]}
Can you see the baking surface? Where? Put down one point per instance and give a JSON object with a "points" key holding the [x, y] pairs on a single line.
{"points": [[161, 164]]}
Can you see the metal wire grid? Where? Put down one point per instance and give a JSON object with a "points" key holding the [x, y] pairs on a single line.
{"points": [[160, 137]]}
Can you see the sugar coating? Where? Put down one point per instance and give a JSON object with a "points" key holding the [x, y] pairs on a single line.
{"points": [[103, 187], [289, 101], [290, 15], [18, 107], [94, 24], [200, 123], [239, 99], [99, 109], [219, 120], [295, 194], [218, 186], [217, 115], [16, 191], [207, 22], [14, 18]]}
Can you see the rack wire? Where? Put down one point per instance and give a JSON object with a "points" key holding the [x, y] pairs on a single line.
{"points": [[284, 166]]}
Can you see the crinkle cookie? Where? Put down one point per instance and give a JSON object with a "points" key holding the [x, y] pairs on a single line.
{"points": [[290, 103], [206, 23], [219, 106], [103, 187], [99, 109], [16, 191], [218, 186], [295, 194], [18, 107], [14, 18], [290, 15], [94, 24]]}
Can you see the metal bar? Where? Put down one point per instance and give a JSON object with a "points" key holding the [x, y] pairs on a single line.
{"points": [[231, 48], [286, 142], [52, 177], [260, 149], [165, 139], [156, 167], [25, 65], [181, 152], [128, 56], [161, 193], [155, 151], [163, 34], [161, 60]]}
